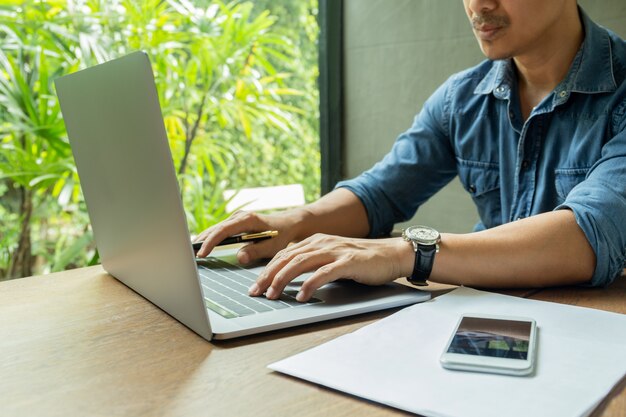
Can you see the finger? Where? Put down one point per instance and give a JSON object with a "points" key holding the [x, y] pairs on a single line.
{"points": [[280, 260], [238, 223], [285, 254], [230, 220], [202, 235], [265, 278], [297, 265], [324, 274], [254, 251]]}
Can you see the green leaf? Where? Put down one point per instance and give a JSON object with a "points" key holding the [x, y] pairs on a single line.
{"points": [[67, 255]]}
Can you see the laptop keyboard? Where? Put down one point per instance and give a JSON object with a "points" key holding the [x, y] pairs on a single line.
{"points": [[225, 287]]}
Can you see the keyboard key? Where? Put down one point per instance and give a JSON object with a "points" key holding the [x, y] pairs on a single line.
{"points": [[225, 288], [219, 310]]}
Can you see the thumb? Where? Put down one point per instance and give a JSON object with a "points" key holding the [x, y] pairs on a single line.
{"points": [[256, 251]]}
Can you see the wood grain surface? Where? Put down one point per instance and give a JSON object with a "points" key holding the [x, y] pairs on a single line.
{"points": [[79, 343]]}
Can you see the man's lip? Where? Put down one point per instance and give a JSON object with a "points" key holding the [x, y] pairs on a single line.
{"points": [[487, 32], [487, 28]]}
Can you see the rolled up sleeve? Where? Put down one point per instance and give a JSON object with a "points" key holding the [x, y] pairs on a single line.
{"points": [[420, 163], [599, 205]]}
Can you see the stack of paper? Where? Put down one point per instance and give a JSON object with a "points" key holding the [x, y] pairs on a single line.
{"points": [[581, 356]]}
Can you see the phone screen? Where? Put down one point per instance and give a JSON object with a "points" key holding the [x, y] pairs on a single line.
{"points": [[492, 337]]}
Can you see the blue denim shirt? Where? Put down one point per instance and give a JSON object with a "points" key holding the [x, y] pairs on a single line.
{"points": [[569, 154]]}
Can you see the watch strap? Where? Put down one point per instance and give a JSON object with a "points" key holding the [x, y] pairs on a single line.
{"points": [[424, 259]]}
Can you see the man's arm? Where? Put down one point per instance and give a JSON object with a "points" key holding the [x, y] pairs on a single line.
{"points": [[339, 212], [543, 250]]}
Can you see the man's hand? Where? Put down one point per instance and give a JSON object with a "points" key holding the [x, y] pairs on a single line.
{"points": [[250, 222], [367, 261], [326, 215]]}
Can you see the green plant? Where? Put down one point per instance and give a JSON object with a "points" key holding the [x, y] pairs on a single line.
{"points": [[232, 85], [33, 154]]}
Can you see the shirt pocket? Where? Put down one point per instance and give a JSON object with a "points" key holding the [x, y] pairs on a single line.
{"points": [[482, 181], [566, 179]]}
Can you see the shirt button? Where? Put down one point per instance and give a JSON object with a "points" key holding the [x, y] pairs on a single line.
{"points": [[525, 164], [500, 89], [563, 94], [472, 188]]}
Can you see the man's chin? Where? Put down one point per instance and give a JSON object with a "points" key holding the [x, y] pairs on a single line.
{"points": [[494, 54]]}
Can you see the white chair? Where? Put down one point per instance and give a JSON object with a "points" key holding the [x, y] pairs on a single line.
{"points": [[265, 198]]}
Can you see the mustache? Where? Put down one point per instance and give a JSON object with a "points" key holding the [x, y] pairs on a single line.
{"points": [[489, 20]]}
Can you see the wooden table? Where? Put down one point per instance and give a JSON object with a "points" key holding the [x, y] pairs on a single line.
{"points": [[79, 343]]}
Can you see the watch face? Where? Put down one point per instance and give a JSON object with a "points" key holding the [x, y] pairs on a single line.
{"points": [[422, 234]]}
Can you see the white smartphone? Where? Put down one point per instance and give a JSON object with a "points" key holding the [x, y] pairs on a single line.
{"points": [[494, 344]]}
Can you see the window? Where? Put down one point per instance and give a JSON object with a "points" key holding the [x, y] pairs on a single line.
{"points": [[238, 88]]}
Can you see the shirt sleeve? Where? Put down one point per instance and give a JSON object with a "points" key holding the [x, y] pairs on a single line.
{"points": [[419, 164], [599, 205]]}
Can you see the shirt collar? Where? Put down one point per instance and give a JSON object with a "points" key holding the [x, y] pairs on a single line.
{"points": [[591, 71], [595, 72], [498, 80]]}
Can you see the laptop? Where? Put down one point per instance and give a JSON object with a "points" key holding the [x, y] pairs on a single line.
{"points": [[118, 139]]}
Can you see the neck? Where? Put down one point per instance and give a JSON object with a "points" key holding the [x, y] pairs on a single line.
{"points": [[542, 68]]}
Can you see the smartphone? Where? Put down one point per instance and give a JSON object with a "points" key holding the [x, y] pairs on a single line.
{"points": [[493, 344]]}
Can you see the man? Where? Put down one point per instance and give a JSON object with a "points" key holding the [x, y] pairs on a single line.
{"points": [[537, 135]]}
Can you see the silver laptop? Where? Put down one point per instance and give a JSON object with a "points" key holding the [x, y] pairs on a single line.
{"points": [[118, 139]]}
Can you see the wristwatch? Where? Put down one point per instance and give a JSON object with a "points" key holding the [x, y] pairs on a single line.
{"points": [[425, 242]]}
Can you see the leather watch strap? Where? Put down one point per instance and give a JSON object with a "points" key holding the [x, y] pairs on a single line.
{"points": [[424, 258]]}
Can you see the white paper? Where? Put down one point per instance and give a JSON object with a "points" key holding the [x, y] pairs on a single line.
{"points": [[581, 355]]}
